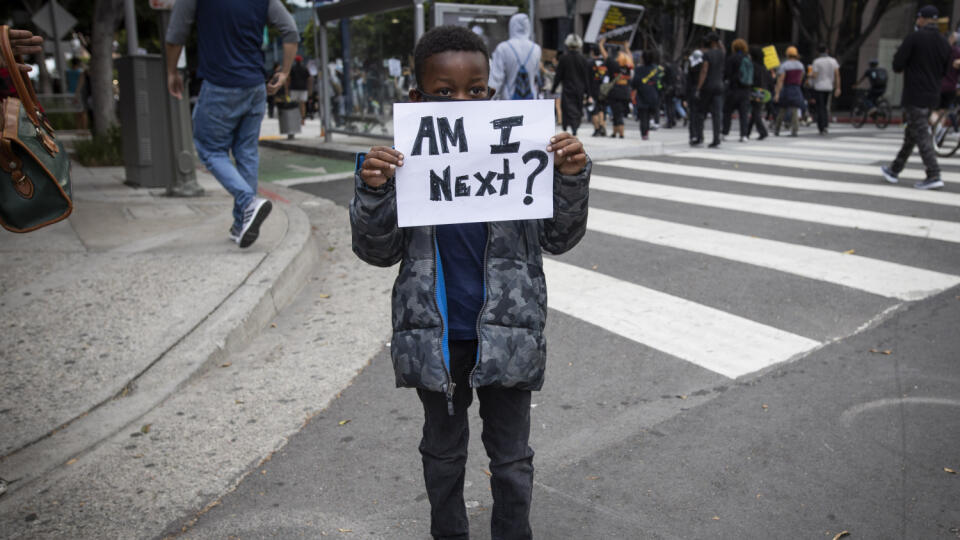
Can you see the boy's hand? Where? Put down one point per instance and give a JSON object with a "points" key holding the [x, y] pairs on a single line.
{"points": [[569, 157], [379, 165]]}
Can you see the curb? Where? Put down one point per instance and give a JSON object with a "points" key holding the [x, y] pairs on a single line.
{"points": [[326, 150], [227, 329]]}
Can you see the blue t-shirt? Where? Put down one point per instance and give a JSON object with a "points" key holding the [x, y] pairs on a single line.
{"points": [[462, 249], [229, 36]]}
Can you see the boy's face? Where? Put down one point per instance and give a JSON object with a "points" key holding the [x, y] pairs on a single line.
{"points": [[460, 75]]}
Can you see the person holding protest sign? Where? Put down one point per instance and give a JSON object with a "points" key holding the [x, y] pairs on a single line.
{"points": [[469, 302]]}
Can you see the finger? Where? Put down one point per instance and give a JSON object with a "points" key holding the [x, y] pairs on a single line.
{"points": [[380, 165], [567, 147], [386, 150], [25, 68], [388, 156]]}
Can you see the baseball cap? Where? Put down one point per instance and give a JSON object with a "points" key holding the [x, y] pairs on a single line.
{"points": [[928, 12], [298, 58], [792, 51]]}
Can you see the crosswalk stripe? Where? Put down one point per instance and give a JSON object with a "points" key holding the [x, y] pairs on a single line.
{"points": [[790, 182], [803, 211], [811, 164], [888, 149], [875, 155], [716, 340], [878, 277]]}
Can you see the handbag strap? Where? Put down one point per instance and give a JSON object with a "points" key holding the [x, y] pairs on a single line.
{"points": [[25, 91]]}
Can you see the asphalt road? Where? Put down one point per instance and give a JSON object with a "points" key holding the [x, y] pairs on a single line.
{"points": [[778, 359]]}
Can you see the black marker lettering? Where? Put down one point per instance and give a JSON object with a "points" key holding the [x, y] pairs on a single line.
{"points": [[461, 188], [457, 136], [426, 131], [440, 185], [505, 125], [505, 177], [486, 184]]}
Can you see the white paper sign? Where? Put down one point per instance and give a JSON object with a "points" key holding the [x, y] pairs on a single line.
{"points": [[473, 161], [723, 12]]}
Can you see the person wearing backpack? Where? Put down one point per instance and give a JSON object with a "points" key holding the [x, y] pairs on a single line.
{"points": [[620, 68], [759, 93], [515, 63], [739, 75], [826, 81]]}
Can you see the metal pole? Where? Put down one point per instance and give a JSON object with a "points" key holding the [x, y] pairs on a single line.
{"points": [[61, 69], [533, 21], [324, 83], [130, 21], [418, 17], [177, 116]]}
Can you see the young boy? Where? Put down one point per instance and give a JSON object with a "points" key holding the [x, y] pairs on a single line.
{"points": [[469, 303]]}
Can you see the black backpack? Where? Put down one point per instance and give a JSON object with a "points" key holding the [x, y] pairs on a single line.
{"points": [[522, 89]]}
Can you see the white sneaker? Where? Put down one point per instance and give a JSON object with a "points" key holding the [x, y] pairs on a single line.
{"points": [[253, 216], [235, 234]]}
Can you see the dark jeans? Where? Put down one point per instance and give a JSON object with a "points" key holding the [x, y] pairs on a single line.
{"points": [[917, 133], [738, 100], [712, 103], [756, 119], [822, 98], [506, 432]]}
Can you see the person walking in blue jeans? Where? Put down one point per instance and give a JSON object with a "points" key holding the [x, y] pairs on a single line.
{"points": [[232, 99]]}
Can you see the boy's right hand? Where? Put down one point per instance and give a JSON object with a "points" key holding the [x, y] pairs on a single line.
{"points": [[380, 165]]}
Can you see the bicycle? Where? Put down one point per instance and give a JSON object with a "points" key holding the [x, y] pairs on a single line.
{"points": [[864, 107], [946, 132]]}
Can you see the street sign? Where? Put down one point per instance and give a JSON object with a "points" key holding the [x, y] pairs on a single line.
{"points": [[162, 4], [42, 20]]}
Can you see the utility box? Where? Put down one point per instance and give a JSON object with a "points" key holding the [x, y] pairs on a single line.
{"points": [[157, 138]]}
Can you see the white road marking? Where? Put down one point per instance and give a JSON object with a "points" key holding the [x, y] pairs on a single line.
{"points": [[813, 164], [716, 340], [875, 276], [838, 216], [791, 182]]}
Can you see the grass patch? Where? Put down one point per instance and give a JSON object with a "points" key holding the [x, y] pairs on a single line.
{"points": [[101, 150]]}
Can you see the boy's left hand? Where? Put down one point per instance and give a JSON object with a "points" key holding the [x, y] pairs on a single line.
{"points": [[569, 157]]}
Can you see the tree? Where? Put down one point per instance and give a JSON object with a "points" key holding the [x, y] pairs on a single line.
{"points": [[106, 15], [844, 34]]}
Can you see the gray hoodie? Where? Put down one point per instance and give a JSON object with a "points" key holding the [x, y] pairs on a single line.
{"points": [[506, 59]]}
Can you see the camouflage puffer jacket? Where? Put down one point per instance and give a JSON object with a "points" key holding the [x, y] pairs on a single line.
{"points": [[512, 349]]}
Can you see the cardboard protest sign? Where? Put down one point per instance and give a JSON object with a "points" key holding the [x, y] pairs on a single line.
{"points": [[473, 161], [615, 21], [716, 14], [770, 58]]}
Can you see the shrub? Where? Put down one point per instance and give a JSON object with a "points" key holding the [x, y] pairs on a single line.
{"points": [[101, 150]]}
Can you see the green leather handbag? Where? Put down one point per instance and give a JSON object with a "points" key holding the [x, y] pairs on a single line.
{"points": [[34, 167]]}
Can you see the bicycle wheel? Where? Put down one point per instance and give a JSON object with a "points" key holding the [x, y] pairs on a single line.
{"points": [[883, 114], [947, 135], [858, 116]]}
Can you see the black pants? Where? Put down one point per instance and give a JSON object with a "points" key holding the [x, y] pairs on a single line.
{"points": [[506, 432], [620, 109], [917, 133], [695, 125], [822, 98], [644, 116], [712, 103], [738, 100], [756, 119]]}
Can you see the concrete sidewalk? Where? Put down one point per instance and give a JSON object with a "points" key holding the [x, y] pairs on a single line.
{"points": [[113, 310]]}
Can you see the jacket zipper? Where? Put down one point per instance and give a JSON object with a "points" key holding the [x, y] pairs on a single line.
{"points": [[451, 386], [486, 249]]}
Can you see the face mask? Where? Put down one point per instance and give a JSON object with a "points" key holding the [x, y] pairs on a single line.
{"points": [[433, 97]]}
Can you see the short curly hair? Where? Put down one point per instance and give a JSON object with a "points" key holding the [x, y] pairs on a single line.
{"points": [[442, 39]]}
